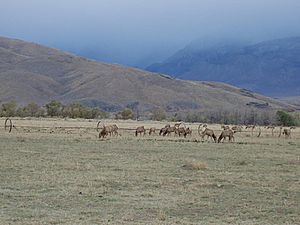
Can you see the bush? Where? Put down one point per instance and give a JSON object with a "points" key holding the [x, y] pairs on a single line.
{"points": [[125, 114], [54, 108], [285, 119], [8, 109], [159, 115]]}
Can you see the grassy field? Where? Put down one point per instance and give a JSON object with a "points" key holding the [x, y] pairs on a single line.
{"points": [[68, 176]]}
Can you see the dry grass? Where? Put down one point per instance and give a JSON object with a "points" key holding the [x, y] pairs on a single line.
{"points": [[71, 177], [195, 166]]}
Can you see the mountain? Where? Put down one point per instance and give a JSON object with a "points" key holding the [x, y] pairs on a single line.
{"points": [[271, 68], [31, 72]]}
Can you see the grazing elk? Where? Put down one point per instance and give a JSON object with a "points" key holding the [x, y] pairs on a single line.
{"points": [[252, 127], [209, 133], [236, 129], [188, 131], [152, 130], [103, 133], [162, 130], [109, 130], [140, 130], [169, 130], [272, 129], [115, 129], [287, 132], [226, 133], [180, 131]]}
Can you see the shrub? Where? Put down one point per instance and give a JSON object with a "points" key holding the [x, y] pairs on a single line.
{"points": [[285, 119]]}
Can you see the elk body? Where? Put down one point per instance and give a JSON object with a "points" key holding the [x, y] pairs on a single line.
{"points": [[169, 130], [209, 133], [152, 130], [163, 130], [140, 130], [108, 130], [226, 133], [252, 127], [188, 131], [103, 133], [237, 128], [112, 129], [181, 131], [287, 133]]}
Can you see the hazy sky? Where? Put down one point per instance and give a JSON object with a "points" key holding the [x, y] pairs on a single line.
{"points": [[133, 31]]}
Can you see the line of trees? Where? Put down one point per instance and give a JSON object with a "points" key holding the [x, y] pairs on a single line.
{"points": [[52, 109], [77, 110]]}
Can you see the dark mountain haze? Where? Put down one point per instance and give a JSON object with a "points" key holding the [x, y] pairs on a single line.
{"points": [[270, 68]]}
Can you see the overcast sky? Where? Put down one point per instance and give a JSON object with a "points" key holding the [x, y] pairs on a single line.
{"points": [[130, 31]]}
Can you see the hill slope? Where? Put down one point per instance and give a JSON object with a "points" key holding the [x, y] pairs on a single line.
{"points": [[30, 72], [271, 68]]}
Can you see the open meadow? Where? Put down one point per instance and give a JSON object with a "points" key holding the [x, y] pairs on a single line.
{"points": [[55, 171]]}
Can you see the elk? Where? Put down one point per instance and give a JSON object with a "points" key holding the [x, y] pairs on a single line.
{"points": [[115, 129], [226, 133], [252, 127], [180, 131], [287, 133], [152, 130], [272, 129], [112, 129], [103, 133], [170, 130], [108, 130], [188, 131], [162, 130], [237, 129], [209, 133], [140, 130]]}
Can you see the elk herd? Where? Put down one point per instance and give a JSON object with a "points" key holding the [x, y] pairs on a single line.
{"points": [[180, 130]]}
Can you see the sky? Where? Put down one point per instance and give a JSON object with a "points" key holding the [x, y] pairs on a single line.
{"points": [[140, 32]]}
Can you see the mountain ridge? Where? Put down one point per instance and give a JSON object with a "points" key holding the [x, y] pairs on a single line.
{"points": [[258, 67], [31, 72]]}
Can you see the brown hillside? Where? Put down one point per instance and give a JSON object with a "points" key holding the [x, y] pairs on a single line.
{"points": [[31, 72]]}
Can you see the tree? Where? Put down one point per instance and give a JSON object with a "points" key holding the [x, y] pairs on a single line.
{"points": [[54, 108], [125, 114], [159, 115], [8, 109], [285, 119]]}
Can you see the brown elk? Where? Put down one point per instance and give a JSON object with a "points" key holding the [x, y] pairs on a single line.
{"points": [[115, 129], [226, 133], [209, 133], [188, 131], [103, 133], [252, 127], [162, 130], [287, 132], [109, 130], [180, 131], [272, 129], [140, 130], [169, 130], [236, 129], [152, 130]]}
